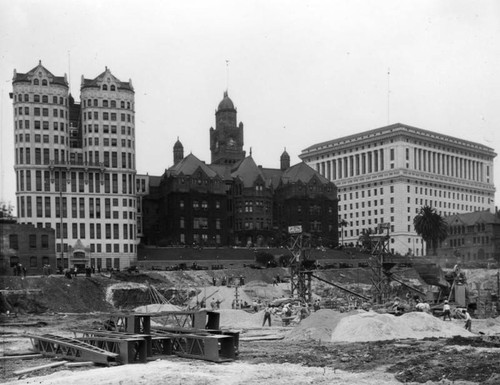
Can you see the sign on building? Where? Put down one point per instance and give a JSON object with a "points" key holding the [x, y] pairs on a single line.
{"points": [[295, 229]]}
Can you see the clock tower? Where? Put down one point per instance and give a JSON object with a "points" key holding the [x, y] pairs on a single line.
{"points": [[226, 141]]}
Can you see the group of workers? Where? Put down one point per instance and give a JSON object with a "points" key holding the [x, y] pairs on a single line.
{"points": [[423, 306]]}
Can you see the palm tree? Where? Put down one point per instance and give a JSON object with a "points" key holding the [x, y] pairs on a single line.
{"points": [[431, 227], [365, 239]]}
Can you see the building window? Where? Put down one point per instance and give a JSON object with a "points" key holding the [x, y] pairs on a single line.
{"points": [[32, 241], [33, 262], [13, 241], [45, 241]]}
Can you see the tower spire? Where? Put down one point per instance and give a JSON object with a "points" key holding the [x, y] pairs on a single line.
{"points": [[227, 76]]}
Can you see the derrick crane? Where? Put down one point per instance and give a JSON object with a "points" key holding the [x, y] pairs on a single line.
{"points": [[300, 275], [300, 281], [381, 264]]}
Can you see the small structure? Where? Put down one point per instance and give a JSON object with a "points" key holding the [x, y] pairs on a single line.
{"points": [[26, 247]]}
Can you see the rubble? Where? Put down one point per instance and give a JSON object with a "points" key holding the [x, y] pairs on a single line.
{"points": [[328, 347]]}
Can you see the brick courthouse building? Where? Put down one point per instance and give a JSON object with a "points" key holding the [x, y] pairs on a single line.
{"points": [[234, 201]]}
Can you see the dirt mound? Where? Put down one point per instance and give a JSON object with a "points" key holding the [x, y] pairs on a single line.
{"points": [[56, 294], [265, 292], [225, 295], [318, 326], [371, 326]]}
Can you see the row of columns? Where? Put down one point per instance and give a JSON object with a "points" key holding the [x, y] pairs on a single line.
{"points": [[448, 165], [352, 165], [423, 160]]}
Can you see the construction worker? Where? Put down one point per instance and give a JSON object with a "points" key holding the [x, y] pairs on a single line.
{"points": [[446, 311], [468, 320], [267, 315]]}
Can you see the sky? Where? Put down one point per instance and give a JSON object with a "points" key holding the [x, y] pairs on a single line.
{"points": [[298, 72]]}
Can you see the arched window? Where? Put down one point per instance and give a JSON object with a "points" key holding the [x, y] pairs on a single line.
{"points": [[122, 104], [36, 82], [26, 98], [104, 87], [37, 98], [113, 103], [113, 88], [45, 99], [95, 102], [44, 82]]}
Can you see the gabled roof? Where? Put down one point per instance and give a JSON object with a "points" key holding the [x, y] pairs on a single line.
{"points": [[223, 170], [19, 77], [470, 219], [189, 165], [96, 82], [272, 176], [248, 172], [303, 173]]}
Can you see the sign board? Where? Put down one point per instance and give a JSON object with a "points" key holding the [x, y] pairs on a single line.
{"points": [[295, 229]]}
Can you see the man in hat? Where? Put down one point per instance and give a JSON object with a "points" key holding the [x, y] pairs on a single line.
{"points": [[446, 311]]}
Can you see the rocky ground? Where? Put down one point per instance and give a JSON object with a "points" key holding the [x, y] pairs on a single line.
{"points": [[303, 353]]}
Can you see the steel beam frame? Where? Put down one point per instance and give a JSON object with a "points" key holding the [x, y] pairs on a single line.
{"points": [[70, 349]]}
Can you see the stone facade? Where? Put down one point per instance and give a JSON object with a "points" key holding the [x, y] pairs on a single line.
{"points": [[386, 175], [472, 237], [75, 165]]}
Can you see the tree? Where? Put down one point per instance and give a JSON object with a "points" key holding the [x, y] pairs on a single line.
{"points": [[6, 210], [365, 239], [431, 227]]}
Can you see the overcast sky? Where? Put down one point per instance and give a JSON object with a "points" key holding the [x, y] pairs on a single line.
{"points": [[300, 72]]}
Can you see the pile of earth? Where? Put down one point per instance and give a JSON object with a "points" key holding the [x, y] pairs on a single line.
{"points": [[54, 294], [361, 326]]}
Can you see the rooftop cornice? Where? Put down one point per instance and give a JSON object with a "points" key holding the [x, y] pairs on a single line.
{"points": [[391, 132]]}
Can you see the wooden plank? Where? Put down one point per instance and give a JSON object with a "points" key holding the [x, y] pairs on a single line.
{"points": [[52, 365], [262, 338], [78, 364], [21, 357]]}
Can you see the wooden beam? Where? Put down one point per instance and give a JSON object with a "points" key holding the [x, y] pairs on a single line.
{"points": [[21, 357], [78, 364], [52, 365]]}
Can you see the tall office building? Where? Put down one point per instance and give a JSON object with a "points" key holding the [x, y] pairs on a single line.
{"points": [[385, 175], [75, 165]]}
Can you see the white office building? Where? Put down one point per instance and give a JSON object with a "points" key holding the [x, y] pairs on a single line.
{"points": [[387, 174]]}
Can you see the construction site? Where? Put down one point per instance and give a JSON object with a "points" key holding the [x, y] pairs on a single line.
{"points": [[204, 323]]}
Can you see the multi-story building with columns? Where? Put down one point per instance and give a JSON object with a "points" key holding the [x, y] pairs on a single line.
{"points": [[387, 174], [75, 165]]}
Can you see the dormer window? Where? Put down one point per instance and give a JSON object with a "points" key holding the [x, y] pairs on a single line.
{"points": [[113, 88], [44, 82], [36, 82], [104, 87]]}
